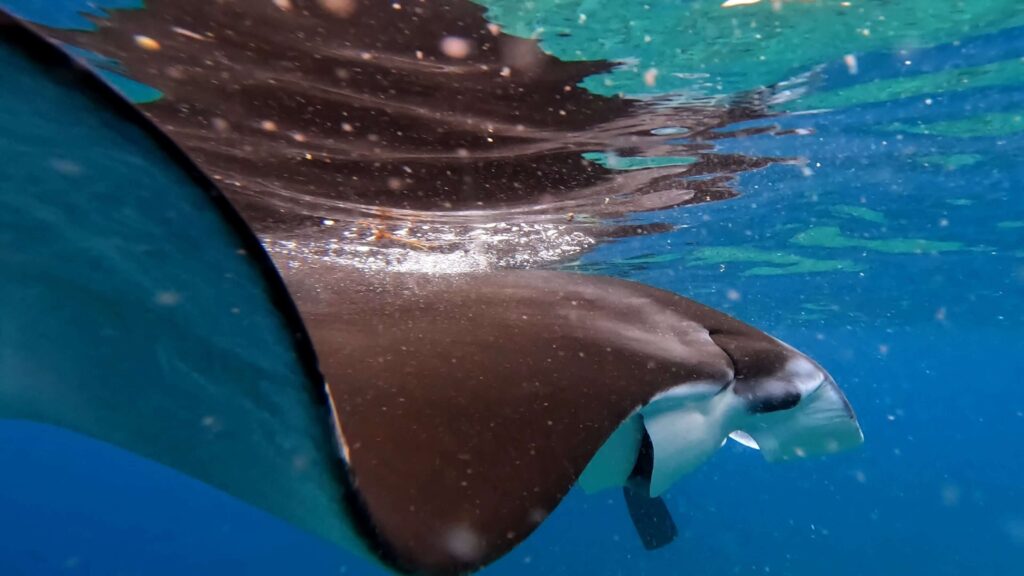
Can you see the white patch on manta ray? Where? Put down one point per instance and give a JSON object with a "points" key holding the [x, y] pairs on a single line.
{"points": [[688, 423], [614, 462], [684, 436], [742, 438], [821, 424]]}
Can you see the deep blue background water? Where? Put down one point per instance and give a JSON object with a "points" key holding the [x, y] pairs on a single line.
{"points": [[928, 348]]}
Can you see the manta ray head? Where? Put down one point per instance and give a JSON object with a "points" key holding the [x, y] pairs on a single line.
{"points": [[777, 400]]}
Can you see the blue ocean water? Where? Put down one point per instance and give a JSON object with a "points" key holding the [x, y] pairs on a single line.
{"points": [[915, 307]]}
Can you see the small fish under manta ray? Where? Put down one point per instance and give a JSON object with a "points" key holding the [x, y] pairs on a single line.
{"points": [[465, 406]]}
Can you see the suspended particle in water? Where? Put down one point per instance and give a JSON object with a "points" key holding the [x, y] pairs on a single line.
{"points": [[651, 77], [733, 295], [340, 8], [456, 47], [211, 423], [463, 543], [285, 5], [167, 298], [268, 125], [146, 43], [950, 495], [851, 64], [189, 34], [65, 167]]}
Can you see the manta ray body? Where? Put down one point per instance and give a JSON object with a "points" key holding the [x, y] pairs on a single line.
{"points": [[439, 417]]}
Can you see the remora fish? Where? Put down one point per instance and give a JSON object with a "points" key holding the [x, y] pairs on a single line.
{"points": [[466, 406]]}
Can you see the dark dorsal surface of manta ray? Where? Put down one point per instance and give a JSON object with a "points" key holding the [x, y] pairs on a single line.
{"points": [[465, 406], [469, 404]]}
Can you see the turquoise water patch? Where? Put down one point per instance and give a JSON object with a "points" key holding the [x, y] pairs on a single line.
{"points": [[951, 161], [781, 263], [1003, 73], [710, 47], [860, 212], [70, 14], [133, 90], [993, 124], [613, 161], [832, 237]]}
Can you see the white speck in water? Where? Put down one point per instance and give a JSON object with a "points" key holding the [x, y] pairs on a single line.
{"points": [[188, 34], [851, 64], [167, 298], [146, 43], [340, 8], [211, 423], [1015, 530], [456, 47], [651, 77], [950, 495], [220, 125], [463, 543], [733, 295], [65, 167]]}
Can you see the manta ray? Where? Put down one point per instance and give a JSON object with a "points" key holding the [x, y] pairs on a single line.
{"points": [[428, 420]]}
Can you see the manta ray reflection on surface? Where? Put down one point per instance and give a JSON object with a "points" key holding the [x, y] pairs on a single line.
{"points": [[376, 151]]}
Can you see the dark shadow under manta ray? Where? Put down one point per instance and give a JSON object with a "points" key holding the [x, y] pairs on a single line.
{"points": [[466, 405]]}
